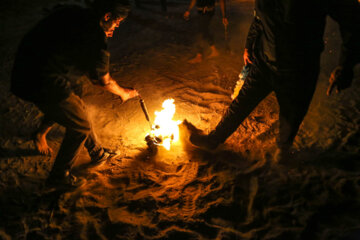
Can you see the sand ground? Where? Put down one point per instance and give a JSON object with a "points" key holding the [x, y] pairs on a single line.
{"points": [[184, 193]]}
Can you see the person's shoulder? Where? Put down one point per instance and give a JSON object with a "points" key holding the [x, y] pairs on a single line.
{"points": [[70, 16], [69, 10]]}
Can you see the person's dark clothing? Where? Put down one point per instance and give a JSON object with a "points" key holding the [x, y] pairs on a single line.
{"points": [[70, 113], [67, 44], [163, 4], [293, 90], [283, 31], [285, 41], [204, 35], [206, 11], [205, 3]]}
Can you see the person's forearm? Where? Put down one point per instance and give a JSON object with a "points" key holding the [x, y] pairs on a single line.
{"points": [[223, 8], [114, 88], [110, 85]]}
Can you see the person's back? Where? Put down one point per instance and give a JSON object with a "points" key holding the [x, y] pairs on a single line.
{"points": [[66, 42]]}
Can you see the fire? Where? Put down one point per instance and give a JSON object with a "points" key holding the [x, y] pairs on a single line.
{"points": [[165, 130]]}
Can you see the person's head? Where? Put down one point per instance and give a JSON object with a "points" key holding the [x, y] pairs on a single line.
{"points": [[111, 13]]}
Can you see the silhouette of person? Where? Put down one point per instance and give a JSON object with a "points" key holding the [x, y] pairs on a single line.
{"points": [[282, 51]]}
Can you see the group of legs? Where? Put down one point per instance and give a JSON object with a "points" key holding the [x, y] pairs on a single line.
{"points": [[294, 90]]}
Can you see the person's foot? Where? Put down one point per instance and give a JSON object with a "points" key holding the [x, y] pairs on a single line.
{"points": [[196, 59], [41, 144], [214, 52], [102, 157], [67, 181], [203, 141]]}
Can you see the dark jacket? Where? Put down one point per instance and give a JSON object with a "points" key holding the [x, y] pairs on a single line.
{"points": [[286, 33], [205, 3]]}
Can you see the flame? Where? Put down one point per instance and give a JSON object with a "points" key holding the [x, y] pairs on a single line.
{"points": [[164, 127]]}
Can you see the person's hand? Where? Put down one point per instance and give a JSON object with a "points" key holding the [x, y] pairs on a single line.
{"points": [[225, 21], [340, 79], [187, 15], [247, 59], [129, 93]]}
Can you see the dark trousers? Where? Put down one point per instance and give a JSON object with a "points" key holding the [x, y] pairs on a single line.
{"points": [[204, 36], [294, 90], [70, 113]]}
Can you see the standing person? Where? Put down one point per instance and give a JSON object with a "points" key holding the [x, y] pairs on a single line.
{"points": [[283, 50], [206, 11], [69, 43]]}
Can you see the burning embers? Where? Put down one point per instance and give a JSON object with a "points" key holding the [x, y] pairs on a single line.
{"points": [[164, 130]]}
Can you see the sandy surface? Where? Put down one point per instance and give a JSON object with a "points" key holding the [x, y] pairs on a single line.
{"points": [[184, 193]]}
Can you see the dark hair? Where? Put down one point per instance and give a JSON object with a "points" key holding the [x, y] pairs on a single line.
{"points": [[118, 8]]}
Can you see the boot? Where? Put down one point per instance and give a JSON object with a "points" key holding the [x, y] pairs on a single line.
{"points": [[102, 157], [66, 181], [202, 141]]}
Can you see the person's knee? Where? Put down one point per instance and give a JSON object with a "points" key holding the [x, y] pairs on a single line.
{"points": [[81, 126], [85, 128]]}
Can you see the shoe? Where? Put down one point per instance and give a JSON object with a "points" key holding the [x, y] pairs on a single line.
{"points": [[106, 154], [203, 141], [68, 181]]}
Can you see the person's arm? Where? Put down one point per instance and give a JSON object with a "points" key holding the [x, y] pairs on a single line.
{"points": [[187, 12], [253, 34], [101, 77], [109, 84], [223, 13], [347, 14]]}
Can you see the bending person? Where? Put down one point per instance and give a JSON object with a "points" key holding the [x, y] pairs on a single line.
{"points": [[69, 43]]}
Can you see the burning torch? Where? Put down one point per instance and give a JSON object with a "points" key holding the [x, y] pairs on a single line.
{"points": [[151, 141], [143, 107]]}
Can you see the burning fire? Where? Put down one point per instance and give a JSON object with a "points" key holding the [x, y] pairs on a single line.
{"points": [[165, 130]]}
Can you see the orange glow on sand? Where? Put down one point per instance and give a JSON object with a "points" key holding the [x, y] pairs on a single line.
{"points": [[165, 128]]}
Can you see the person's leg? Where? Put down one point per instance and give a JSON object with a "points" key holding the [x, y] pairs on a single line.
{"points": [[68, 151], [198, 43], [39, 137], [95, 150], [294, 92], [207, 35], [214, 51], [203, 35], [254, 90], [71, 114]]}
